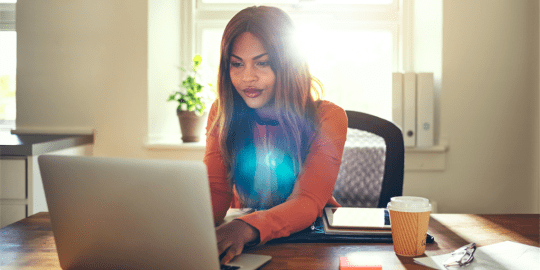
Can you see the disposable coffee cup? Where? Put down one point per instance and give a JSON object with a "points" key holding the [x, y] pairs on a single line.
{"points": [[409, 219]]}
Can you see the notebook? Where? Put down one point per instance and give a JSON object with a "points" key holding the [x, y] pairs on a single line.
{"points": [[116, 213]]}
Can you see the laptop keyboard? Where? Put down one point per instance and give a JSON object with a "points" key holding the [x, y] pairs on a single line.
{"points": [[228, 267]]}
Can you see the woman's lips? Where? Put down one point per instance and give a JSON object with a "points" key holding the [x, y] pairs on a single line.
{"points": [[252, 93]]}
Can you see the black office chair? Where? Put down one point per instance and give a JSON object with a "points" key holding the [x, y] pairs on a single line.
{"points": [[371, 170]]}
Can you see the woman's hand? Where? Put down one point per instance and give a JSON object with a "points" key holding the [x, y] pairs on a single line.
{"points": [[232, 237]]}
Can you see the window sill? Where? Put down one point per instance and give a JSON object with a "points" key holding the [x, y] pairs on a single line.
{"points": [[175, 144], [416, 159]]}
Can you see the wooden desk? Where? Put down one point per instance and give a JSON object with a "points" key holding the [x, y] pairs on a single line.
{"points": [[29, 243]]}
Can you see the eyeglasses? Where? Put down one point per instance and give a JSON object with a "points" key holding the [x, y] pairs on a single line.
{"points": [[462, 256]]}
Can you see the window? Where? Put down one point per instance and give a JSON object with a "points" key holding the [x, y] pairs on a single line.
{"points": [[352, 46], [8, 58]]}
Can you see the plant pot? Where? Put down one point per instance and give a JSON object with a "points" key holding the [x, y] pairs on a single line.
{"points": [[191, 125]]}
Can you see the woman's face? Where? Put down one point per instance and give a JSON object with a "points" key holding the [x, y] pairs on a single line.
{"points": [[250, 71]]}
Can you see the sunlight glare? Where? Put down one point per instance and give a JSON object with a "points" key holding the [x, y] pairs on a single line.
{"points": [[363, 2], [355, 66]]}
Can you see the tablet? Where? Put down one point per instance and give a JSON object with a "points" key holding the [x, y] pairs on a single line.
{"points": [[357, 218]]}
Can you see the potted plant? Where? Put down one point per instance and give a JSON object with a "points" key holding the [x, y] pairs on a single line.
{"points": [[192, 101]]}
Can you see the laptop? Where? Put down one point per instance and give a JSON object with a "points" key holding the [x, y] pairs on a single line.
{"points": [[119, 213]]}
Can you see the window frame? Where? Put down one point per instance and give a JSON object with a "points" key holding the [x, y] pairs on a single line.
{"points": [[159, 139], [197, 15], [7, 23], [307, 5], [7, 16], [188, 45]]}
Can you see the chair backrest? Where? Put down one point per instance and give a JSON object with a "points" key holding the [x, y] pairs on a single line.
{"points": [[371, 164]]}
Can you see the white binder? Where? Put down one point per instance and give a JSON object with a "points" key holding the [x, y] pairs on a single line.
{"points": [[397, 99], [409, 109], [424, 124]]}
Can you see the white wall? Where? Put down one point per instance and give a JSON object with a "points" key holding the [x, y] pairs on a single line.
{"points": [[488, 110], [85, 64], [59, 40], [163, 63], [82, 65], [427, 50]]}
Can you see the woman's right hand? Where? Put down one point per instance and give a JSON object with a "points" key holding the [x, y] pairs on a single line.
{"points": [[232, 237]]}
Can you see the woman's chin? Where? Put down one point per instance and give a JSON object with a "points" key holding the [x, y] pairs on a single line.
{"points": [[256, 104]]}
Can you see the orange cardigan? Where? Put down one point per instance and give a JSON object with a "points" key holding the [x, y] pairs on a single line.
{"points": [[313, 187]]}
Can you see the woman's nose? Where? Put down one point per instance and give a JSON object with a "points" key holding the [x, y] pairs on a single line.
{"points": [[249, 74]]}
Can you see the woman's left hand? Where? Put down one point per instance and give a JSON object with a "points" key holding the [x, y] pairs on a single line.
{"points": [[232, 237]]}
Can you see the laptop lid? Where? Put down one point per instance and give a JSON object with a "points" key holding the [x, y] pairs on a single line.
{"points": [[118, 213]]}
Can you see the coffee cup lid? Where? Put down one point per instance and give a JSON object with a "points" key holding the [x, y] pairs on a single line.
{"points": [[409, 204]]}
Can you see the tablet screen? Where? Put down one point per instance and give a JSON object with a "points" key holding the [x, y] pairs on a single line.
{"points": [[354, 217]]}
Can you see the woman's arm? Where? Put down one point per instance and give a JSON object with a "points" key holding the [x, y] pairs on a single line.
{"points": [[314, 186], [217, 172]]}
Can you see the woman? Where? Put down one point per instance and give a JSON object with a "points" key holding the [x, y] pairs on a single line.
{"points": [[271, 144]]}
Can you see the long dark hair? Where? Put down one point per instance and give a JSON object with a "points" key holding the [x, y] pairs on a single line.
{"points": [[295, 101]]}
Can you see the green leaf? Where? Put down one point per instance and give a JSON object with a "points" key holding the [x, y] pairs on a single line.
{"points": [[186, 84], [193, 96], [196, 60]]}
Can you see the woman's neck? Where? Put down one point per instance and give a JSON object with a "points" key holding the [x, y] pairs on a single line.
{"points": [[267, 113]]}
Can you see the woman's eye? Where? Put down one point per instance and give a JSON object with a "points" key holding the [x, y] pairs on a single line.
{"points": [[264, 64], [236, 64]]}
